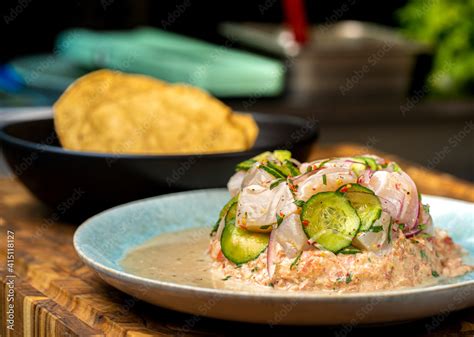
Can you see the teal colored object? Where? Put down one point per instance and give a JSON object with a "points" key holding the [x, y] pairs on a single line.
{"points": [[171, 57]]}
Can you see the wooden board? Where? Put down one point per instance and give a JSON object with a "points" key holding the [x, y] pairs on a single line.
{"points": [[56, 295]]}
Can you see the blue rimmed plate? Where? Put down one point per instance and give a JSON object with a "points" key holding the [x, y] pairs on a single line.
{"points": [[105, 239]]}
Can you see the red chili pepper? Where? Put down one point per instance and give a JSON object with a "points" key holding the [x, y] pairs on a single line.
{"points": [[305, 222], [344, 189]]}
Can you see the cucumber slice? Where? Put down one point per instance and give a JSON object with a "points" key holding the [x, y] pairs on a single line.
{"points": [[369, 161], [367, 206], [350, 250], [282, 155], [286, 169], [224, 211], [262, 156], [354, 188], [273, 170], [291, 168], [245, 165], [329, 219], [238, 245]]}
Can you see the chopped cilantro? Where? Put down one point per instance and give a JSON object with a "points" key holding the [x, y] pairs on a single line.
{"points": [[348, 278], [396, 167], [376, 229], [401, 226], [309, 169], [276, 183], [434, 273], [426, 208], [422, 227], [423, 254], [295, 261], [279, 219], [390, 232], [325, 179], [265, 227], [226, 278]]}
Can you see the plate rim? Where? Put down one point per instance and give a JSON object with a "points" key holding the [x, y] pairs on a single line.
{"points": [[305, 296]]}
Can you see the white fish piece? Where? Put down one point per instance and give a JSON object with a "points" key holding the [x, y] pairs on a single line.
{"points": [[335, 178], [257, 176], [290, 235], [235, 183], [258, 206], [374, 241]]}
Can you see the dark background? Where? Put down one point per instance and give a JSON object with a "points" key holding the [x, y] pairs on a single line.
{"points": [[35, 29], [421, 136]]}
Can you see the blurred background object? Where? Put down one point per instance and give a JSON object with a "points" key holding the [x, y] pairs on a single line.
{"points": [[396, 76], [449, 26]]}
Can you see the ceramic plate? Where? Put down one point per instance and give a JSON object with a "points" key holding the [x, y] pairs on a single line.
{"points": [[103, 241]]}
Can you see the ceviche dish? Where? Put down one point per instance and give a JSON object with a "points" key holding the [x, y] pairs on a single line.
{"points": [[350, 224]]}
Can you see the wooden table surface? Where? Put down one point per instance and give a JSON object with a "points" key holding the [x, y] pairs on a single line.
{"points": [[55, 294]]}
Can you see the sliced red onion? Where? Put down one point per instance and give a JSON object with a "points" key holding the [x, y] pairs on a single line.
{"points": [[398, 195], [411, 210], [220, 228], [271, 254]]}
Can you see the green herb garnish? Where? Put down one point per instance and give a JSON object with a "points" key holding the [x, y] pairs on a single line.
{"points": [[348, 278], [279, 219], [426, 208], [390, 232], [325, 179], [423, 254], [276, 183], [376, 229], [434, 273], [295, 261], [265, 227], [226, 278]]}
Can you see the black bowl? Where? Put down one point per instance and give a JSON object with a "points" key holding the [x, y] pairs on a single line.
{"points": [[78, 184]]}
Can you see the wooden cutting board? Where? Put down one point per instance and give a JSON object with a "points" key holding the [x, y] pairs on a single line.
{"points": [[56, 295]]}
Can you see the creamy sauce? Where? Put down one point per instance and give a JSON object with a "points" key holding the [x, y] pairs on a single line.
{"points": [[182, 258], [179, 257]]}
